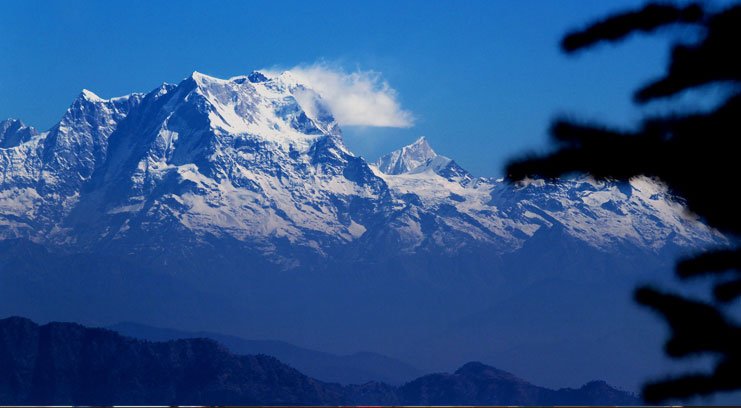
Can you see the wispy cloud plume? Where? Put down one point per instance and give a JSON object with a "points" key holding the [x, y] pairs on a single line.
{"points": [[359, 98]]}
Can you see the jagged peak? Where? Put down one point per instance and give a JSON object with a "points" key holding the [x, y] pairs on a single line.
{"points": [[286, 76], [257, 77], [420, 142], [253, 77], [199, 76], [91, 111], [202, 80], [201, 84], [7, 123], [13, 124], [284, 81], [407, 158], [163, 89], [14, 132], [419, 157], [288, 80], [420, 148], [258, 105], [88, 95]]}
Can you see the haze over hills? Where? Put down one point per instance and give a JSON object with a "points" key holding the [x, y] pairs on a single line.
{"points": [[233, 206], [356, 368], [63, 363]]}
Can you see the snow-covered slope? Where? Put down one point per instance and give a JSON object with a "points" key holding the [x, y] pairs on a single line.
{"points": [[602, 214], [44, 173], [417, 155], [261, 161]]}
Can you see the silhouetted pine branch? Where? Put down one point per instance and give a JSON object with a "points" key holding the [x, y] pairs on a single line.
{"points": [[696, 155], [647, 19]]}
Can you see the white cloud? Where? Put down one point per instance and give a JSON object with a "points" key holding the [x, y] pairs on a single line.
{"points": [[360, 98]]}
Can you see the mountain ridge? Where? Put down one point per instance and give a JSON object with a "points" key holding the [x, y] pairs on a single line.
{"points": [[203, 156], [66, 363], [355, 368]]}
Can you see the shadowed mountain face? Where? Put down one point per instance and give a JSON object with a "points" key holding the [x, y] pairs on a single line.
{"points": [[13, 133], [68, 364]]}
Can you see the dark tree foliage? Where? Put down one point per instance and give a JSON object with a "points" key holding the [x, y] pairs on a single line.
{"points": [[695, 154]]}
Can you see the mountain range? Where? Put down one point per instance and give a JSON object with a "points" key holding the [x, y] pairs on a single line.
{"points": [[261, 161], [356, 368], [234, 206], [69, 364]]}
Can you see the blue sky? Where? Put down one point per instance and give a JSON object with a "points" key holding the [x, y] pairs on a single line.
{"points": [[482, 79]]}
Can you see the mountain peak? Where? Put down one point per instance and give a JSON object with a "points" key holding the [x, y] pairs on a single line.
{"points": [[419, 157], [202, 80], [88, 95], [14, 132], [195, 75], [264, 108], [10, 125], [407, 158], [477, 369], [421, 141], [256, 77]]}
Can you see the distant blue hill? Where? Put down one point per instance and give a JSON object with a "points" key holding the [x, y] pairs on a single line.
{"points": [[70, 364], [357, 368]]}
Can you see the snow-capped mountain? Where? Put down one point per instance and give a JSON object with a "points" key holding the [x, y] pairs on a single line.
{"points": [[261, 161], [419, 157], [407, 159], [233, 205]]}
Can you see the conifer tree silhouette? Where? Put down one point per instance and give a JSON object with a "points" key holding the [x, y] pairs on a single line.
{"points": [[695, 154]]}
